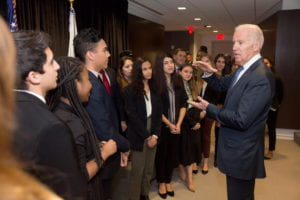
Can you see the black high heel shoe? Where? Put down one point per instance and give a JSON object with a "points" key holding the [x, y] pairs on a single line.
{"points": [[162, 195], [195, 171], [171, 193]]}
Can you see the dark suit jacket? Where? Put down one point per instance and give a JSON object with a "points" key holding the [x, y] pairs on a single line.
{"points": [[137, 117], [245, 111], [46, 145], [279, 92], [210, 95], [103, 113], [117, 95]]}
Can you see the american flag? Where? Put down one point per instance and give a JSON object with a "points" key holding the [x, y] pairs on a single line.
{"points": [[12, 16]]}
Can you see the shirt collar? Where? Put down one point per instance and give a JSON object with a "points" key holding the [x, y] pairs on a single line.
{"points": [[251, 61], [97, 74], [34, 94]]}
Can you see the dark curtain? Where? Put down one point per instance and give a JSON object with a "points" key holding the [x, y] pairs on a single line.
{"points": [[50, 16], [108, 16], [3, 9]]}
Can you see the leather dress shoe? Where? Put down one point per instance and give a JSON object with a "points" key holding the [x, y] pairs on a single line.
{"points": [[144, 197], [215, 164]]}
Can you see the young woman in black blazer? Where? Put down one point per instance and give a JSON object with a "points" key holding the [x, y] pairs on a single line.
{"points": [[143, 107], [66, 103], [174, 106]]}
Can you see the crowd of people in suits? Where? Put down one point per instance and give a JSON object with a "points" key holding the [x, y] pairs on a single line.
{"points": [[78, 121]]}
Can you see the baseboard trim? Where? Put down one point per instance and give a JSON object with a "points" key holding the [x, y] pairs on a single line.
{"points": [[285, 134]]}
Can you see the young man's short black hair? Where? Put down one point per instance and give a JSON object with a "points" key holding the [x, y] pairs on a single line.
{"points": [[31, 56], [86, 40]]}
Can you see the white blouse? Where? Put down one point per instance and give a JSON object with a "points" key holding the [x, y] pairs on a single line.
{"points": [[148, 104]]}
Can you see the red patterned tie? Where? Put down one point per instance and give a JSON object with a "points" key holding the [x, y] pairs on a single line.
{"points": [[105, 82]]}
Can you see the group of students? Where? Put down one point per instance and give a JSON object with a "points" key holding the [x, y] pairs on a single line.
{"points": [[71, 113]]}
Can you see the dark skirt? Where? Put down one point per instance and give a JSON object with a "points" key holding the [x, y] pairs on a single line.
{"points": [[190, 146]]}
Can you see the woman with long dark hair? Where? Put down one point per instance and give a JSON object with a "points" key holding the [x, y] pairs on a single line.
{"points": [[125, 67], [273, 112], [143, 106], [66, 103], [223, 66], [174, 106], [209, 94], [124, 77]]}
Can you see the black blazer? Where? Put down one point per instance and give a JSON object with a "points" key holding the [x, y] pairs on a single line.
{"points": [[116, 93], [243, 117], [83, 146], [137, 117], [210, 95], [279, 92], [46, 145]]}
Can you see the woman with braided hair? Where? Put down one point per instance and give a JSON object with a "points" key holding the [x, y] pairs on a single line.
{"points": [[66, 103]]}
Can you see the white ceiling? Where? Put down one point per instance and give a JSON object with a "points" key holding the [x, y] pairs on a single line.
{"points": [[223, 15]]}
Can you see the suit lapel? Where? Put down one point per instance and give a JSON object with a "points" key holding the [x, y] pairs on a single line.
{"points": [[247, 73], [242, 79]]}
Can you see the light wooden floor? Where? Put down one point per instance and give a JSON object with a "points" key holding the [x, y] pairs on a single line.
{"points": [[282, 182]]}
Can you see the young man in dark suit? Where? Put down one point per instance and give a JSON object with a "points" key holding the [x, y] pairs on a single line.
{"points": [[102, 109], [41, 140], [249, 96]]}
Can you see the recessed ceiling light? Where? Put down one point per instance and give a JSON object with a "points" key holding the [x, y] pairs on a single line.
{"points": [[197, 19], [181, 8], [208, 26], [215, 31]]}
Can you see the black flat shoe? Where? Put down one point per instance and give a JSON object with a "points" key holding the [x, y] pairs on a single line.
{"points": [[195, 171], [163, 196], [204, 171], [171, 193]]}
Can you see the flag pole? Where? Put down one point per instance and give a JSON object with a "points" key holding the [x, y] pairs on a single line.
{"points": [[72, 28], [71, 4]]}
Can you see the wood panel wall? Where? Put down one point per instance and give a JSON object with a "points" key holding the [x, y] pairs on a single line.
{"points": [[287, 62], [282, 44], [179, 39], [146, 38]]}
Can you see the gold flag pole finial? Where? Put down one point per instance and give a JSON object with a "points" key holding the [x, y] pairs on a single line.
{"points": [[71, 4]]}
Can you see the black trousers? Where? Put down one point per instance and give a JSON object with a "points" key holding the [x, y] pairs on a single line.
{"points": [[110, 169], [238, 189], [167, 155], [271, 123]]}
